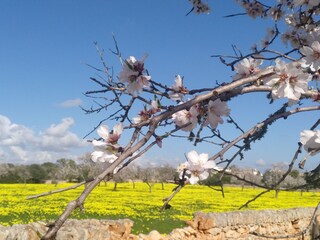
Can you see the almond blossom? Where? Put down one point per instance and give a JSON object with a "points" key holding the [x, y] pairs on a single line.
{"points": [[200, 7], [254, 9], [216, 109], [179, 89], [310, 3], [312, 55], [311, 141], [107, 148], [196, 166], [247, 67], [184, 117], [147, 113], [133, 74], [290, 81]]}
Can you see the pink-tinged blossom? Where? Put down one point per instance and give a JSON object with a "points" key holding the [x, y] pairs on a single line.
{"points": [[216, 109], [246, 67], [179, 89], [145, 114], [291, 36], [309, 3], [276, 13], [312, 55], [289, 81], [200, 7], [313, 36], [196, 168], [311, 141], [133, 75], [107, 148], [184, 117], [254, 8]]}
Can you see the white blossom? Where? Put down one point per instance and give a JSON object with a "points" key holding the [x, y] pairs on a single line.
{"points": [[290, 81], [276, 13], [216, 109], [107, 148], [200, 7], [196, 167], [147, 113], [291, 36], [133, 75], [179, 89], [254, 9], [311, 141], [184, 117], [313, 36], [246, 67], [312, 55], [308, 3]]}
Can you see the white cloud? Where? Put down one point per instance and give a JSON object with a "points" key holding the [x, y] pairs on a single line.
{"points": [[13, 134], [59, 130], [261, 162], [280, 165], [71, 103], [19, 152], [19, 143]]}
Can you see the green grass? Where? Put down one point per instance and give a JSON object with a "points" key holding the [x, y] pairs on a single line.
{"points": [[138, 204]]}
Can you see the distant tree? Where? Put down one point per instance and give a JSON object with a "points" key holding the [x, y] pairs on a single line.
{"points": [[4, 169], [51, 170], [272, 177], [249, 174], [8, 174], [132, 173], [165, 174], [24, 173], [150, 176], [119, 177], [67, 170], [37, 173], [85, 164], [87, 169], [295, 173]]}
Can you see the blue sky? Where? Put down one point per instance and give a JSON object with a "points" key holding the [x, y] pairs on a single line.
{"points": [[44, 46]]}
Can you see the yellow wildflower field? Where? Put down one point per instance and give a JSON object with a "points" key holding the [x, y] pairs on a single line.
{"points": [[138, 204]]}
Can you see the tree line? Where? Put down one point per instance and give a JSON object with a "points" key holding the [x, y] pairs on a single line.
{"points": [[69, 170]]}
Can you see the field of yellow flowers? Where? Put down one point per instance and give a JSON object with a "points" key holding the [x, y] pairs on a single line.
{"points": [[138, 203]]}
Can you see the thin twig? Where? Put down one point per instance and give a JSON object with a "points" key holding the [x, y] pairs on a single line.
{"points": [[60, 190]]}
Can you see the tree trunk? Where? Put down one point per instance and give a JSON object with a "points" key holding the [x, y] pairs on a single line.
{"points": [[115, 186], [277, 193], [150, 186], [162, 186]]}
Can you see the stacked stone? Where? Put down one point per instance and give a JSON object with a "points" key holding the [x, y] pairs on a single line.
{"points": [[238, 225]]}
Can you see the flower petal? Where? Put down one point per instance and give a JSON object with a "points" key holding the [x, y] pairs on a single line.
{"points": [[209, 164], [103, 131], [193, 179], [118, 128], [305, 136], [99, 144], [203, 175], [193, 157], [96, 155]]}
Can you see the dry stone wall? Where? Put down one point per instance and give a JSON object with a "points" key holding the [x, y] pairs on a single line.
{"points": [[240, 225]]}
